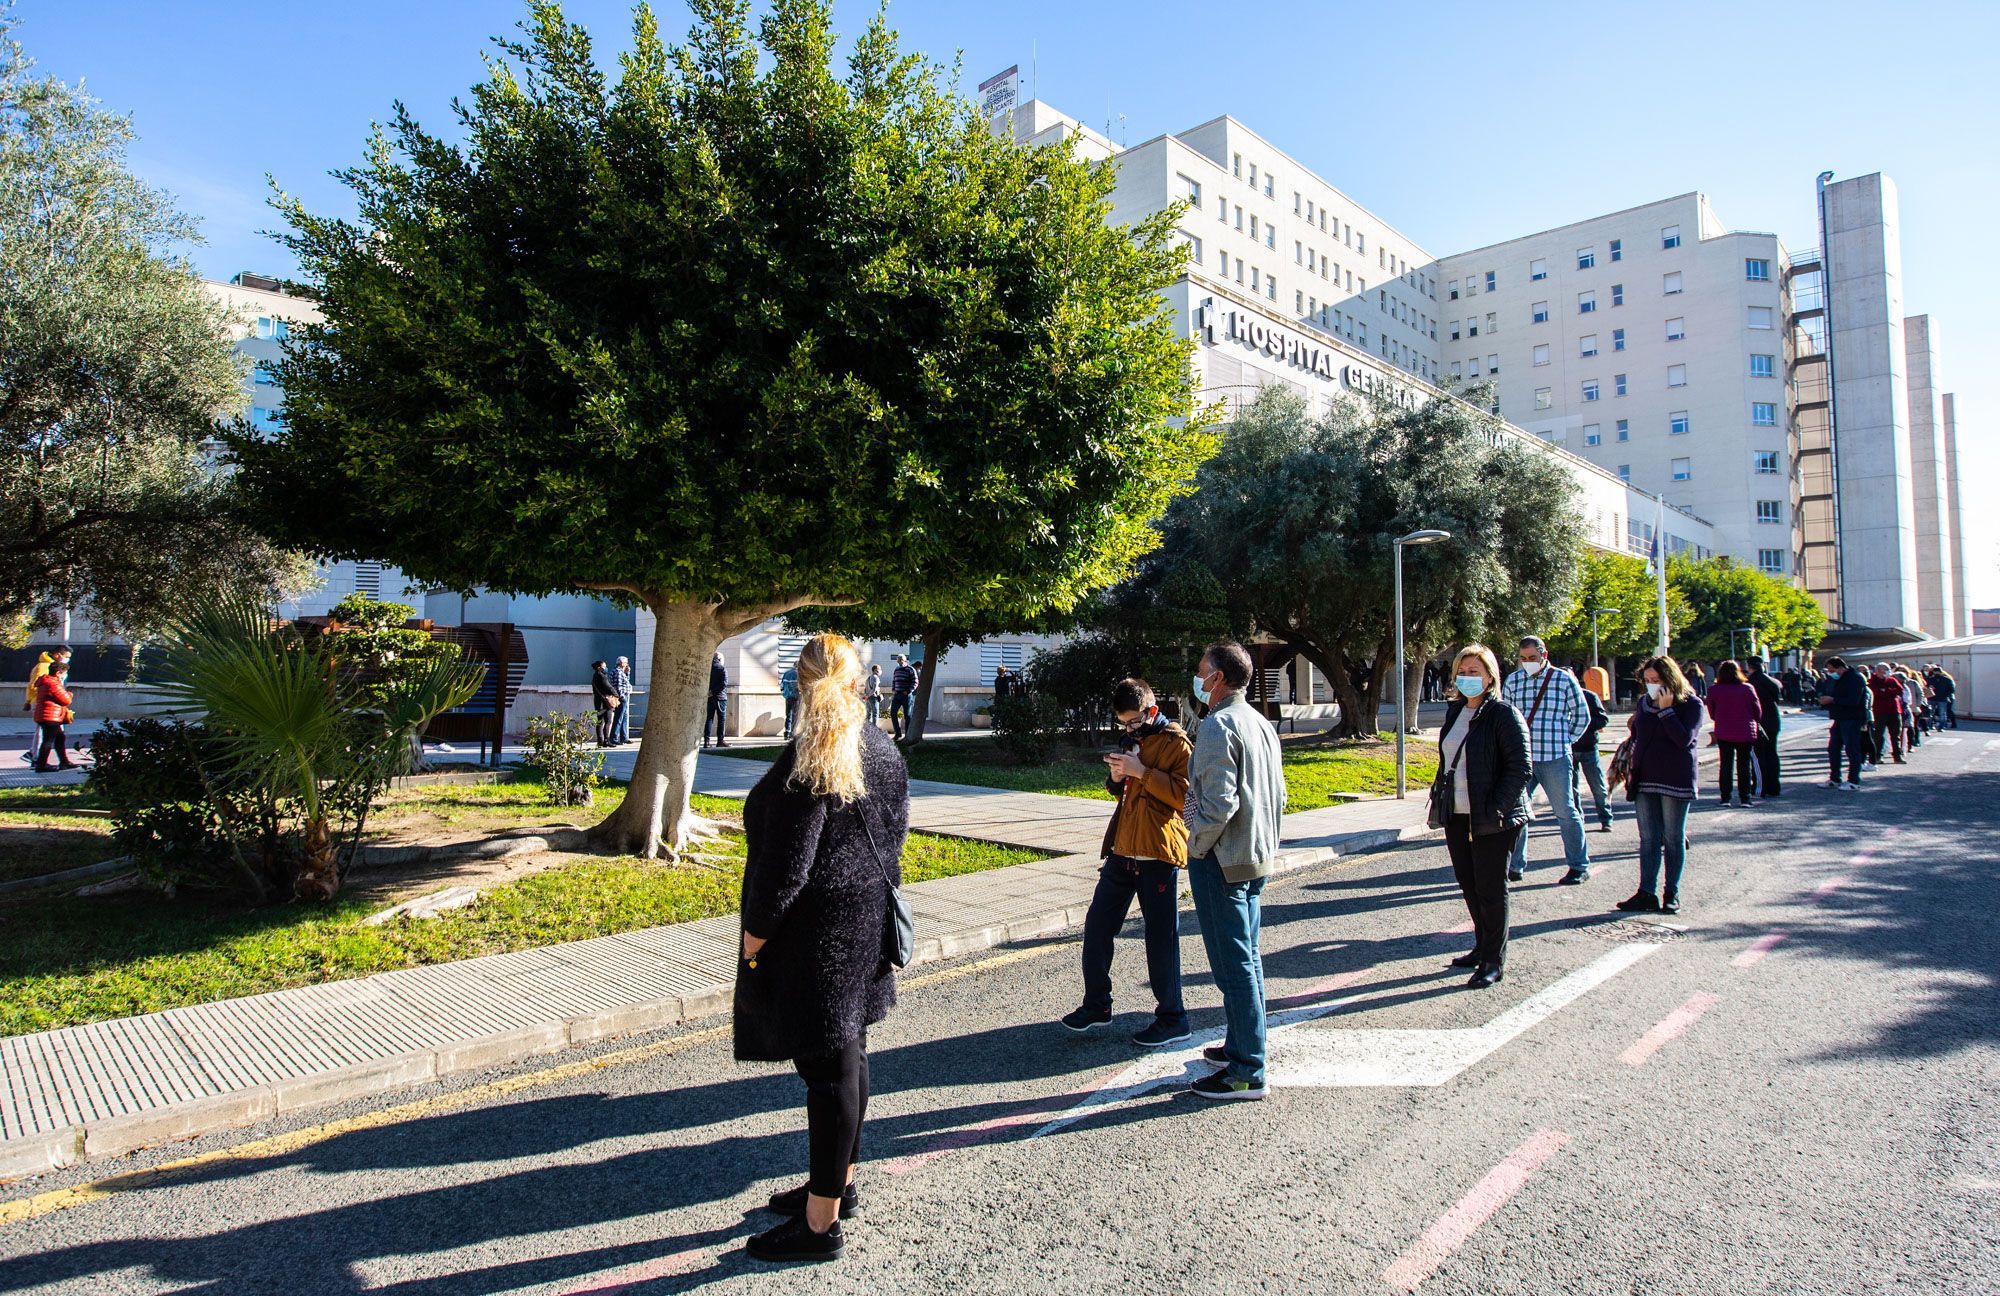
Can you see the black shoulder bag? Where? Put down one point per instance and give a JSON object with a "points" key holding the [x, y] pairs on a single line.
{"points": [[899, 926]]}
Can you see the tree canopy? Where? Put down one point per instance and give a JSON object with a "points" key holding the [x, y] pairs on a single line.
{"points": [[1295, 515], [1620, 582], [1723, 595], [729, 335], [115, 365]]}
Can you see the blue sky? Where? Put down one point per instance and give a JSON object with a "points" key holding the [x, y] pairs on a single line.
{"points": [[1460, 123]]}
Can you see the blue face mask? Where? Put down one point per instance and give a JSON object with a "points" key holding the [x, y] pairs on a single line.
{"points": [[1471, 686], [1201, 690]]}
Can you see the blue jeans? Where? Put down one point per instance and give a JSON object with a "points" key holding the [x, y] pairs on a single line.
{"points": [[874, 711], [899, 712], [1851, 737], [1589, 764], [791, 714], [621, 719], [1662, 831], [1553, 776], [1157, 887], [1230, 914], [717, 715]]}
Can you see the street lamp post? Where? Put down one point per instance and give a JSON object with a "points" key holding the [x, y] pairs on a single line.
{"points": [[1414, 538], [1594, 662]]}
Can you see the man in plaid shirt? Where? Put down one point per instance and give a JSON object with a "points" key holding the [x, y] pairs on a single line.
{"points": [[1552, 703]]}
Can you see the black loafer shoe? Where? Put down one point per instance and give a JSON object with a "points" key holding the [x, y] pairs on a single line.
{"points": [[794, 1240], [1640, 902], [1513, 875], [1484, 977], [793, 1202], [1575, 877], [1466, 960]]}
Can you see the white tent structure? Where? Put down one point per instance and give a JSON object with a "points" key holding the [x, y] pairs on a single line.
{"points": [[1974, 663]]}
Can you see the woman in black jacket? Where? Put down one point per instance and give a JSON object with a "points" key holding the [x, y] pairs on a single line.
{"points": [[825, 831], [1483, 750]]}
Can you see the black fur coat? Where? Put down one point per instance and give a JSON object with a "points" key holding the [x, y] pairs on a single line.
{"points": [[814, 890]]}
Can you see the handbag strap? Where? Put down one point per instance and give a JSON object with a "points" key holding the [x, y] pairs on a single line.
{"points": [[872, 846], [1459, 755]]}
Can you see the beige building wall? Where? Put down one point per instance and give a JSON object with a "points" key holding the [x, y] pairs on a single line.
{"points": [[1930, 489], [1954, 513]]}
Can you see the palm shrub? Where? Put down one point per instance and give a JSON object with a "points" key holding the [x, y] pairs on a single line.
{"points": [[559, 745], [298, 748]]}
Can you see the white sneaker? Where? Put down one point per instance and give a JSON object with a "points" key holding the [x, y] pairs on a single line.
{"points": [[1852, 787], [1833, 783], [1867, 765]]}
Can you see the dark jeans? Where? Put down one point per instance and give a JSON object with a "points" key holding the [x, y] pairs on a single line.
{"points": [[1480, 864], [717, 715], [1850, 736], [1885, 738], [1947, 715], [791, 714], [1157, 887], [1587, 763], [603, 724], [53, 741], [836, 1103], [1766, 748], [1736, 756], [899, 712]]}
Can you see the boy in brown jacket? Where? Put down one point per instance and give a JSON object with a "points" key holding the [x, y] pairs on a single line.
{"points": [[1145, 847]]}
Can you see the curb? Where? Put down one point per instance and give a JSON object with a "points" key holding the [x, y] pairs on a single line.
{"points": [[72, 1145]]}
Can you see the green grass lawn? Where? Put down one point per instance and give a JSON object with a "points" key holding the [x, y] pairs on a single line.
{"points": [[41, 831], [1314, 769], [65, 960]]}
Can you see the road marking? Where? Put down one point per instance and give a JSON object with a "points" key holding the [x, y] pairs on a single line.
{"points": [[1944, 742], [1759, 948], [1453, 1227], [618, 1280], [1459, 930], [1319, 991], [1670, 1027], [1827, 888], [26, 1208], [1334, 1058]]}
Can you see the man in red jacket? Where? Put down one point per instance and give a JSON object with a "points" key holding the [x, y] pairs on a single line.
{"points": [[52, 703], [1885, 692]]}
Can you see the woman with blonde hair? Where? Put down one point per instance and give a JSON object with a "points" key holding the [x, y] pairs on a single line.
{"points": [[1480, 799], [1664, 771], [824, 829]]}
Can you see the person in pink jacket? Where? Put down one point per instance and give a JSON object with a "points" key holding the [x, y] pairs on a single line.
{"points": [[1734, 710]]}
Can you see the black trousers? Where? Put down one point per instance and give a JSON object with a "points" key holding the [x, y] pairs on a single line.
{"points": [[1736, 755], [1480, 864], [1766, 748], [836, 1103], [53, 742]]}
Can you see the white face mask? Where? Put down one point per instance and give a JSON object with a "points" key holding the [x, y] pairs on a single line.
{"points": [[1533, 667], [1657, 692]]}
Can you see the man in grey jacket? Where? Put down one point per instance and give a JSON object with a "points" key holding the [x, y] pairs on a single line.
{"points": [[1235, 802]]}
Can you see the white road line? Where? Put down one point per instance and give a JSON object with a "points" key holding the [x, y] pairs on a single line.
{"points": [[1339, 1058]]}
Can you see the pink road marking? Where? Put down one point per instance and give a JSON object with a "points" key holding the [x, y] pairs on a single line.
{"points": [[1034, 1113], [1828, 887], [1319, 991], [1670, 1027], [1759, 948], [1862, 858], [1892, 830], [1460, 930], [1475, 1208], [617, 1280]]}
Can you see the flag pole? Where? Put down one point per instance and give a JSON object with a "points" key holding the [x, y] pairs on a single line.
{"points": [[1660, 568]]}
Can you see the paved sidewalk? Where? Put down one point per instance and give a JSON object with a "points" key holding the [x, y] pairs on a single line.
{"points": [[110, 1087]]}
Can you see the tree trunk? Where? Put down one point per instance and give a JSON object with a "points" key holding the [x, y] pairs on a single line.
{"points": [[920, 705], [1413, 691], [654, 818]]}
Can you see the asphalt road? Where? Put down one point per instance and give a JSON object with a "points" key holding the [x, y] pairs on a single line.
{"points": [[1798, 1093]]}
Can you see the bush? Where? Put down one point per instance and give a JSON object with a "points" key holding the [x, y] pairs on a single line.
{"points": [[1026, 728], [164, 816], [560, 745], [1075, 678]]}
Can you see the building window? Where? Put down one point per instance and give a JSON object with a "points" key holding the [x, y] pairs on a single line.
{"points": [[1617, 339], [1239, 269], [1253, 175], [1236, 164], [1617, 294], [1541, 353], [1617, 249], [1590, 389], [1298, 252], [264, 377], [1624, 429], [1253, 225], [1452, 289], [1760, 317], [1493, 364], [1457, 371], [1587, 345], [1298, 203], [1472, 328], [1770, 512], [1544, 397], [1771, 561], [1540, 312], [1194, 248], [1271, 287], [1586, 258], [1763, 414], [1763, 366], [1586, 302], [1593, 434], [1670, 237], [271, 329], [1764, 461], [1312, 261], [1677, 423], [1270, 185], [1677, 375], [1222, 210], [1624, 472], [1191, 187], [1492, 322], [1757, 269], [1682, 470], [1454, 330], [1492, 280], [1298, 302], [1676, 329], [1670, 283], [1618, 383], [266, 420], [1256, 278], [1538, 270], [1239, 217]]}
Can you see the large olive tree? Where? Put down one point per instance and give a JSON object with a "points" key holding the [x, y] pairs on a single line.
{"points": [[728, 335]]}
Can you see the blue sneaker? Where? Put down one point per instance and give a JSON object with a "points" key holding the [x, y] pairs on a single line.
{"points": [[1161, 1033], [1083, 1019]]}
